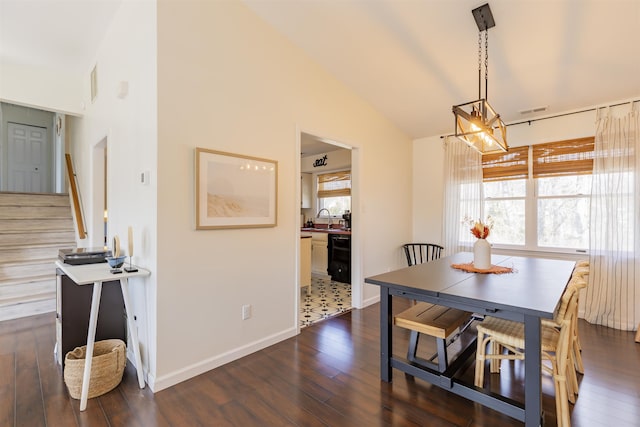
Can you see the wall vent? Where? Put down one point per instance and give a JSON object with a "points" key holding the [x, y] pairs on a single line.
{"points": [[534, 110]]}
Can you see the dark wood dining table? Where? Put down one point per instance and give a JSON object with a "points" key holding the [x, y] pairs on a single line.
{"points": [[531, 292]]}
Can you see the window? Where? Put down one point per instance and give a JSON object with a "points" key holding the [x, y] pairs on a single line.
{"points": [[539, 196], [505, 192], [334, 192]]}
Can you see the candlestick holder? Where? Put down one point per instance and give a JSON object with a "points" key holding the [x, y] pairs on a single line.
{"points": [[131, 268]]}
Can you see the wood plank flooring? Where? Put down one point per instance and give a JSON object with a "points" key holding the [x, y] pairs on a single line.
{"points": [[326, 376]]}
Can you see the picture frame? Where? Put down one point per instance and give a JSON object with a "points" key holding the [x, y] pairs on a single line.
{"points": [[234, 190]]}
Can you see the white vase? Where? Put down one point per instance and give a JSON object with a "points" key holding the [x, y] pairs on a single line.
{"points": [[482, 254]]}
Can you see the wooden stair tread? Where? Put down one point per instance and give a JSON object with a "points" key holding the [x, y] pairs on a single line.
{"points": [[431, 319], [69, 244], [33, 199], [28, 261], [31, 279], [35, 296], [38, 231]]}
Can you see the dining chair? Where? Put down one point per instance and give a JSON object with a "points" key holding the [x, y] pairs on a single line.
{"points": [[418, 253], [496, 334], [582, 271], [555, 346], [579, 280], [425, 318]]}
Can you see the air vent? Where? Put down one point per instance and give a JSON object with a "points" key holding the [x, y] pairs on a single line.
{"points": [[534, 110]]}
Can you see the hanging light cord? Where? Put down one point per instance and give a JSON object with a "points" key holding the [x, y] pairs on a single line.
{"points": [[486, 65], [479, 64]]}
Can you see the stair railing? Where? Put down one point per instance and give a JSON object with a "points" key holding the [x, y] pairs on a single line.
{"points": [[77, 209]]}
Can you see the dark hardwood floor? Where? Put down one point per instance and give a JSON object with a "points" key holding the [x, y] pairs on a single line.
{"points": [[326, 376]]}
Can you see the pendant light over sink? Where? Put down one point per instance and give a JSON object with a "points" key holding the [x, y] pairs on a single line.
{"points": [[476, 122]]}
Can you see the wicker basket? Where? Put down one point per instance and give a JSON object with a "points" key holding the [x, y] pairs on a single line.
{"points": [[107, 366]]}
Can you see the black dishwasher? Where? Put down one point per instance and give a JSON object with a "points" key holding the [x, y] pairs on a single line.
{"points": [[340, 257]]}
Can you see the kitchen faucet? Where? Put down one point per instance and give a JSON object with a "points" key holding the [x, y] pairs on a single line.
{"points": [[328, 214]]}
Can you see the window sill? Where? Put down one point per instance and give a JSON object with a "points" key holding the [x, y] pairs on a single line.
{"points": [[552, 254]]}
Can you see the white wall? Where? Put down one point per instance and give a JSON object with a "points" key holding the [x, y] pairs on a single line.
{"points": [[428, 165], [128, 125], [43, 88], [228, 81]]}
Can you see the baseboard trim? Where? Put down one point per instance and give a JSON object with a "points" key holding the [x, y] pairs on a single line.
{"points": [[173, 378], [371, 301]]}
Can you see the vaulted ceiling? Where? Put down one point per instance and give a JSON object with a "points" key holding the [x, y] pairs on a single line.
{"points": [[60, 34], [410, 59]]}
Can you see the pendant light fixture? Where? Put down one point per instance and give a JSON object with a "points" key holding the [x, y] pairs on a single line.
{"points": [[476, 122]]}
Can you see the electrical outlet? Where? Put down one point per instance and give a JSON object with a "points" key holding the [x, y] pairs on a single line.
{"points": [[246, 311]]}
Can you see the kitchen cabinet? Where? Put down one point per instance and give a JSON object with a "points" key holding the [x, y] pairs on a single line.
{"points": [[319, 253], [306, 189], [304, 278]]}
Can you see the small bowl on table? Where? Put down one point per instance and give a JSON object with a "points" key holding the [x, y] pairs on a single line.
{"points": [[115, 263]]}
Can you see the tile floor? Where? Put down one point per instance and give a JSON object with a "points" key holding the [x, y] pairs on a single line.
{"points": [[328, 298]]}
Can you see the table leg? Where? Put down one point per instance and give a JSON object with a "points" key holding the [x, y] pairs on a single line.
{"points": [[91, 338], [124, 285], [385, 334], [532, 371]]}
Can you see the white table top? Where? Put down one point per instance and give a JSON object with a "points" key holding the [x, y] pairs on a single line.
{"points": [[90, 273]]}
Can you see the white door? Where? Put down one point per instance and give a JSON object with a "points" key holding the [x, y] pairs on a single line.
{"points": [[28, 159]]}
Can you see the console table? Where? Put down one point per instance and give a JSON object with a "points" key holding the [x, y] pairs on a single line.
{"points": [[96, 274]]}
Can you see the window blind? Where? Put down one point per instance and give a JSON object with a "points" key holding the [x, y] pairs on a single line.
{"points": [[334, 184], [504, 166], [570, 157]]}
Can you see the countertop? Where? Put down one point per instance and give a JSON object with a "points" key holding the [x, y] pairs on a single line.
{"points": [[325, 230]]}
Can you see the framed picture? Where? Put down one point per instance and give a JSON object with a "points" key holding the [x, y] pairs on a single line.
{"points": [[235, 191]]}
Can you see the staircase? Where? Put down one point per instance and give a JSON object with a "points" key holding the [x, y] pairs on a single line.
{"points": [[33, 227]]}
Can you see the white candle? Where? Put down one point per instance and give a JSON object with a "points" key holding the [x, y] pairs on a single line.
{"points": [[116, 246], [130, 241]]}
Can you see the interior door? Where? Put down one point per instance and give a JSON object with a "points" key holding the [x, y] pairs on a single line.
{"points": [[28, 159]]}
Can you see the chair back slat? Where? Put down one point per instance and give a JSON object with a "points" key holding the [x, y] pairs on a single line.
{"points": [[575, 284], [418, 253]]}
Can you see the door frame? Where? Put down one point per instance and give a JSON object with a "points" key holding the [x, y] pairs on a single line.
{"points": [[99, 193], [356, 252]]}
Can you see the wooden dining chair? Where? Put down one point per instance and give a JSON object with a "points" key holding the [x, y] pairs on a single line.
{"points": [[425, 318], [418, 253], [498, 334], [581, 271]]}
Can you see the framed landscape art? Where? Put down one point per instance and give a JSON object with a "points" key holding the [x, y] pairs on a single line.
{"points": [[235, 191]]}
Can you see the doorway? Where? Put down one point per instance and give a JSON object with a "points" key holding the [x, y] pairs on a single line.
{"points": [[99, 195], [333, 282]]}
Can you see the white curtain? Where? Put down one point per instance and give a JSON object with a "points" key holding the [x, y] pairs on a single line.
{"points": [[462, 195], [613, 295]]}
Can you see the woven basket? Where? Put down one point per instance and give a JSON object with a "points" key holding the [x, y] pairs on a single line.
{"points": [[107, 366]]}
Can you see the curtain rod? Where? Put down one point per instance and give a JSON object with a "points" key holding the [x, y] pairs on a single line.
{"points": [[561, 115]]}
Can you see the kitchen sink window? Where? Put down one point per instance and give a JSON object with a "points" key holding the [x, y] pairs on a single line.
{"points": [[334, 192], [539, 196]]}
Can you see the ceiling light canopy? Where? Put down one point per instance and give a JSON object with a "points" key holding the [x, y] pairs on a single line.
{"points": [[476, 122]]}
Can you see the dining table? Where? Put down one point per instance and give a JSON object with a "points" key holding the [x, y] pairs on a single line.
{"points": [[531, 291]]}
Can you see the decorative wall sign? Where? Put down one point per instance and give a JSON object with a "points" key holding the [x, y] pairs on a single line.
{"points": [[235, 191], [320, 162]]}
